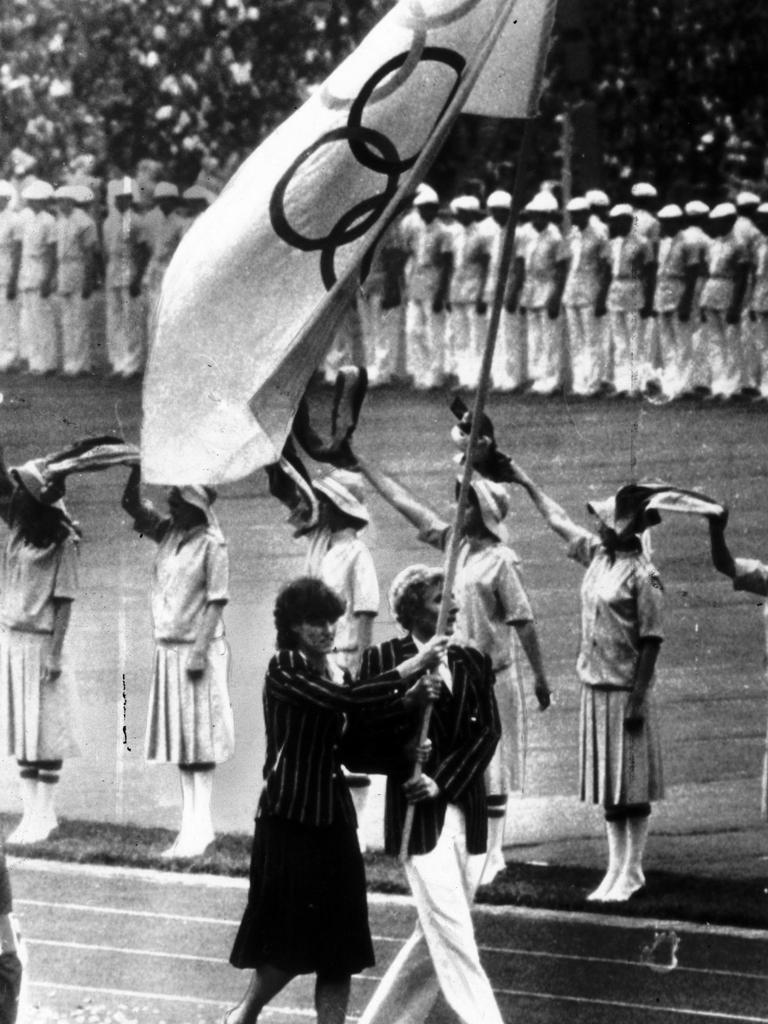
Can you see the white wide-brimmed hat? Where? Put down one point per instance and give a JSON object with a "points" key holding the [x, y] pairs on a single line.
{"points": [[345, 491]]}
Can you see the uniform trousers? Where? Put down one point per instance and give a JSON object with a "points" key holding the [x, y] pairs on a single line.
{"points": [[468, 333], [75, 333], [381, 331], [443, 883], [37, 327], [545, 350], [723, 347], [510, 360], [9, 330], [125, 331], [426, 339], [760, 336], [750, 347], [585, 343], [627, 344], [676, 353]]}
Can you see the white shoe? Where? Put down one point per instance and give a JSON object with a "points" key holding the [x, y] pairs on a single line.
{"points": [[625, 886], [601, 893]]}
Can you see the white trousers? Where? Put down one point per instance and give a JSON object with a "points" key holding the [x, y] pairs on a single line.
{"points": [[760, 342], [442, 951], [468, 334], [37, 327], [125, 332], [74, 326], [750, 351], [381, 331], [510, 358], [427, 338], [9, 331], [627, 345], [586, 346], [723, 346], [676, 354], [545, 354]]}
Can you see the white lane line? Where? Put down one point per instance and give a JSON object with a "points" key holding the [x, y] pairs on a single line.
{"points": [[122, 993], [732, 1018], [501, 950], [123, 912], [681, 968], [126, 951], [376, 899]]}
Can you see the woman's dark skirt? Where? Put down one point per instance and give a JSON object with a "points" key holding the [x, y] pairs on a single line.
{"points": [[307, 910]]}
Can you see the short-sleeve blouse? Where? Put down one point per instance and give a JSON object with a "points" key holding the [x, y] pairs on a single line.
{"points": [[621, 604]]}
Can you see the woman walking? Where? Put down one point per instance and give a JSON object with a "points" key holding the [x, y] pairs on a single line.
{"points": [[306, 909], [190, 721]]}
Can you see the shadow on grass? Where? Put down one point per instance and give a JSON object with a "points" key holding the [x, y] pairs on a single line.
{"points": [[667, 896]]}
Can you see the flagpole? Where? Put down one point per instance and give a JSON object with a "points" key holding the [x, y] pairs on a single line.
{"points": [[483, 386]]}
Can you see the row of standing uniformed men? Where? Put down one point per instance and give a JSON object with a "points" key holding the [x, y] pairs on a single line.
{"points": [[51, 263], [634, 297]]}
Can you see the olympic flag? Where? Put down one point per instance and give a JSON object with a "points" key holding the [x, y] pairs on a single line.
{"points": [[256, 287]]}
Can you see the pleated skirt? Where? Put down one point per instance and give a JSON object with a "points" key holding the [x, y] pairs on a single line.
{"points": [[307, 909], [190, 720], [618, 767], [40, 719], [506, 772]]}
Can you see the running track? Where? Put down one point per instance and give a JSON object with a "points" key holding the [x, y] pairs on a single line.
{"points": [[108, 945]]}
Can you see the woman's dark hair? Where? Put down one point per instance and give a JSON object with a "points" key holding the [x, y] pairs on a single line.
{"points": [[306, 599], [39, 525]]}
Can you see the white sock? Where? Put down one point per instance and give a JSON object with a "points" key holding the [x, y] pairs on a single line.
{"points": [[616, 831]]}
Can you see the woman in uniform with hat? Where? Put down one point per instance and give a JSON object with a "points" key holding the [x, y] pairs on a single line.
{"points": [[621, 617], [190, 718], [492, 603], [39, 585]]}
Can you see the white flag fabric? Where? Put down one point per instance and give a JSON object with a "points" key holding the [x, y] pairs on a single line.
{"points": [[256, 287]]}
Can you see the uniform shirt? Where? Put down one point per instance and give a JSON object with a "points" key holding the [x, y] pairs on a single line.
{"points": [[491, 600], [471, 245], [588, 252], [305, 714], [541, 255], [191, 570], [630, 255], [162, 234], [489, 594], [748, 235], [36, 232], [8, 238], [122, 234], [76, 237], [675, 257], [345, 564], [726, 255], [759, 301], [621, 604], [647, 226], [32, 578], [425, 245], [388, 246]]}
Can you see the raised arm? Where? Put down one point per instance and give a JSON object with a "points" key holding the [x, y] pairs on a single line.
{"points": [[400, 498], [722, 559], [146, 519], [553, 514]]}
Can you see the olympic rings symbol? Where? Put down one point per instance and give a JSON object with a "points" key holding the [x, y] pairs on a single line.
{"points": [[374, 151]]}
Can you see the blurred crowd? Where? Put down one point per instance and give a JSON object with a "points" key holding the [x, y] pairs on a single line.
{"points": [[677, 85]]}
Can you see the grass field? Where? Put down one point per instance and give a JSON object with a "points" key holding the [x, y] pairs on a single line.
{"points": [[710, 683]]}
